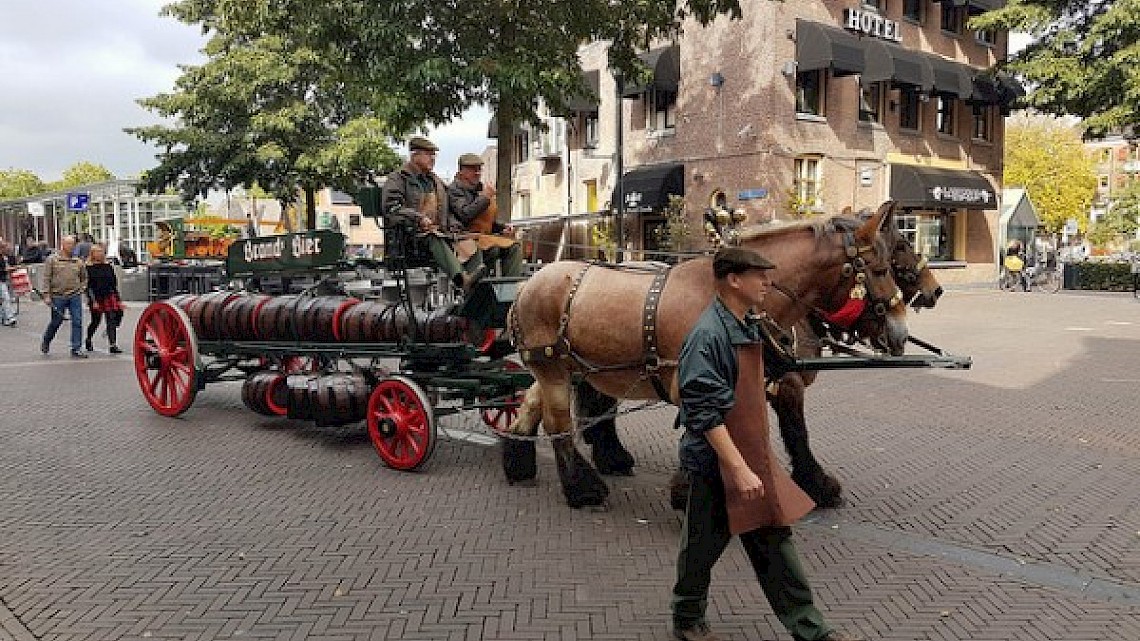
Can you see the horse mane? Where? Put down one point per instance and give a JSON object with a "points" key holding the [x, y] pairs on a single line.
{"points": [[818, 226]]}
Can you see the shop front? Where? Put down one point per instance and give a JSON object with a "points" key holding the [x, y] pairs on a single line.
{"points": [[946, 214], [645, 193]]}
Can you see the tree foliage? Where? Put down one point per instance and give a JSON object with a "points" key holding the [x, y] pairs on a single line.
{"points": [[265, 108], [1046, 157], [18, 183], [1083, 60], [1121, 220], [284, 76], [82, 173]]}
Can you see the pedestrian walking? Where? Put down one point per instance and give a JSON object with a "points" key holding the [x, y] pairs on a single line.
{"points": [[103, 298], [63, 285], [726, 455], [7, 264]]}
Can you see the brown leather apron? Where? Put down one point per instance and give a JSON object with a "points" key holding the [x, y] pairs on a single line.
{"points": [[783, 502]]}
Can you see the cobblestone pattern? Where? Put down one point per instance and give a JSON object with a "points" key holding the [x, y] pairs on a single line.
{"points": [[120, 524]]}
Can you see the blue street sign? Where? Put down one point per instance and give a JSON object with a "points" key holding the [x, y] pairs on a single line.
{"points": [[78, 202], [752, 194]]}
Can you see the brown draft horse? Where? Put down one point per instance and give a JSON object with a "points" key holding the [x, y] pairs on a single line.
{"points": [[919, 287], [576, 319]]}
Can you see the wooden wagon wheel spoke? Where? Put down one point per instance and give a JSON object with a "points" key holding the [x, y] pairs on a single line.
{"points": [[166, 359], [401, 424]]}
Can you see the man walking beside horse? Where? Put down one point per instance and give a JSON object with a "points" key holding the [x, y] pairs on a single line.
{"points": [[737, 486]]}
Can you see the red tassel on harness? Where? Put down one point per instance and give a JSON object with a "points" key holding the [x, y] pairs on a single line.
{"points": [[850, 312]]}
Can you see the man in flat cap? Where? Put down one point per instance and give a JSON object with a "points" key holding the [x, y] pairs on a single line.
{"points": [[472, 203], [415, 194], [719, 351]]}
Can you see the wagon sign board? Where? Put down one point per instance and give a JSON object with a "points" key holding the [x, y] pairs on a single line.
{"points": [[304, 251]]}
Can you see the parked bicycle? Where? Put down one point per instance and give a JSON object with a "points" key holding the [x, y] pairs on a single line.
{"points": [[1015, 274]]}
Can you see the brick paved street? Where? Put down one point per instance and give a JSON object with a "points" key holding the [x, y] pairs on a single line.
{"points": [[996, 504]]}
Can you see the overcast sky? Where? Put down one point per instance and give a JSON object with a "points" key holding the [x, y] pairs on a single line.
{"points": [[71, 71]]}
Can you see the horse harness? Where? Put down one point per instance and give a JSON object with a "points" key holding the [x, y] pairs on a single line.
{"points": [[650, 362], [859, 297]]}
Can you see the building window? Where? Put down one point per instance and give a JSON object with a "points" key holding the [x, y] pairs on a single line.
{"points": [[871, 102], [522, 146], [986, 37], [524, 205], [934, 237], [908, 227], [946, 112], [981, 122], [875, 4], [910, 109], [354, 220], [809, 92], [953, 18], [912, 10], [1102, 182], [661, 109], [590, 129], [807, 171]]}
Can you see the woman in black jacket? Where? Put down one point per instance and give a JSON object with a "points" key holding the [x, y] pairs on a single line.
{"points": [[103, 297]]}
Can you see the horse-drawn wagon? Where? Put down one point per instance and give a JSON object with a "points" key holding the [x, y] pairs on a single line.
{"points": [[406, 350], [398, 352]]}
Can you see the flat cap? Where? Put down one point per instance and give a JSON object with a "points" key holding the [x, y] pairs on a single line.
{"points": [[736, 260], [470, 160], [419, 143]]}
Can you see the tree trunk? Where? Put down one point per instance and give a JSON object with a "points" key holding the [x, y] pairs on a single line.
{"points": [[504, 182], [310, 208]]}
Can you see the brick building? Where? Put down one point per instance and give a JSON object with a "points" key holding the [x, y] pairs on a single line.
{"points": [[796, 109], [1117, 166]]}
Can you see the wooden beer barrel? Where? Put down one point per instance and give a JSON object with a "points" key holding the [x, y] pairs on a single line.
{"points": [[275, 320], [340, 399], [239, 318], [373, 322], [183, 301], [299, 390], [440, 327], [256, 390], [318, 317], [206, 314]]}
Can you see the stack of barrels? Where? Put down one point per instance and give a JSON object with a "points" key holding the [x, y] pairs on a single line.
{"points": [[328, 398], [318, 319]]}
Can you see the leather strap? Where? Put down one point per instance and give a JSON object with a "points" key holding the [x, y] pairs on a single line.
{"points": [[649, 332]]}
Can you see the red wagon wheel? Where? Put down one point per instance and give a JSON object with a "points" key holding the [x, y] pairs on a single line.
{"points": [[500, 418], [401, 424], [166, 358]]}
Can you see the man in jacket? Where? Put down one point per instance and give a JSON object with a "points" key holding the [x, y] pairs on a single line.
{"points": [[470, 198], [710, 363], [415, 195], [64, 281], [7, 264]]}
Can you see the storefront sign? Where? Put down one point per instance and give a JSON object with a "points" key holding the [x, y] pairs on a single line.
{"points": [[871, 24], [950, 194], [288, 252]]}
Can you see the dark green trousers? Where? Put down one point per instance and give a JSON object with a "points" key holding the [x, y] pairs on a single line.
{"points": [[444, 255], [704, 537], [510, 259]]}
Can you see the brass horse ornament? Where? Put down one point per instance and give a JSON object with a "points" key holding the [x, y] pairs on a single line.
{"points": [[620, 327]]}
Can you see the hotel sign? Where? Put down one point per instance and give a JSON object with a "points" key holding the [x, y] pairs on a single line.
{"points": [[871, 24]]}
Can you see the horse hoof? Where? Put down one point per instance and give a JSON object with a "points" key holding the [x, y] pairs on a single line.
{"points": [[519, 460]]}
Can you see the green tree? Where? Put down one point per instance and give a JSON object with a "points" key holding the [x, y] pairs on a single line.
{"points": [[1046, 156], [417, 62], [264, 108], [18, 183], [1121, 220], [1082, 60], [83, 173]]}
